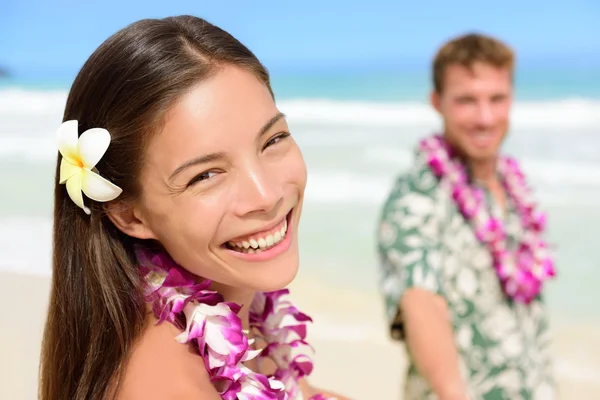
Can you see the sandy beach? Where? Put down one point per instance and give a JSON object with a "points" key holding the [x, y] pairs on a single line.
{"points": [[354, 355]]}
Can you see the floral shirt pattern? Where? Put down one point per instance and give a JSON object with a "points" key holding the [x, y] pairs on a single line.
{"points": [[424, 242]]}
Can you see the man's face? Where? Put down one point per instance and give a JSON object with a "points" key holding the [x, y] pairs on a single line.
{"points": [[475, 105]]}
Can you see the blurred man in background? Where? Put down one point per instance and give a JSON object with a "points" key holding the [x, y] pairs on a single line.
{"points": [[475, 325]]}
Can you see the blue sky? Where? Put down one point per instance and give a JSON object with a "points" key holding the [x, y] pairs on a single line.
{"points": [[44, 37]]}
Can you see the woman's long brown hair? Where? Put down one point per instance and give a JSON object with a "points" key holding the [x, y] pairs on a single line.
{"points": [[96, 310]]}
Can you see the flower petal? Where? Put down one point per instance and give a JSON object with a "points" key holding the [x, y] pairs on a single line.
{"points": [[97, 188], [74, 191], [216, 339], [221, 309], [250, 355], [67, 170], [66, 136], [92, 145]]}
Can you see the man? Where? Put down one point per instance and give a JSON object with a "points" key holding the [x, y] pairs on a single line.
{"points": [[471, 333]]}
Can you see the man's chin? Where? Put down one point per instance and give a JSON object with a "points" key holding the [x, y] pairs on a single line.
{"points": [[482, 155]]}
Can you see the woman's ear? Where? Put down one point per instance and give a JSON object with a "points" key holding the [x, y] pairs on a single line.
{"points": [[129, 219]]}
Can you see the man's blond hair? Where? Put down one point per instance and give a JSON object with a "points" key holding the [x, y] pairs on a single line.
{"points": [[467, 50]]}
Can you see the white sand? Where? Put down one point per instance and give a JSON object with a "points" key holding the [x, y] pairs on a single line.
{"points": [[354, 355]]}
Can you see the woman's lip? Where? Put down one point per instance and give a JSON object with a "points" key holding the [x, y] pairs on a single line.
{"points": [[271, 253], [258, 233]]}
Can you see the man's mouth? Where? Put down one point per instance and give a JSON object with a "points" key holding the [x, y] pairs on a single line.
{"points": [[482, 138]]}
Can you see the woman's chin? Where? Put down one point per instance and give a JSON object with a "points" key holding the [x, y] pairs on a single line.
{"points": [[267, 271], [274, 279]]}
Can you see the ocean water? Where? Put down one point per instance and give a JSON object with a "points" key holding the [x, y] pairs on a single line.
{"points": [[357, 131]]}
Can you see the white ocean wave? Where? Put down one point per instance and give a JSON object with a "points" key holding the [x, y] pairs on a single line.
{"points": [[558, 138], [553, 115]]}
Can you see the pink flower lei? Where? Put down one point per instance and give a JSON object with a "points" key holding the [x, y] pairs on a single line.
{"points": [[214, 329], [522, 271]]}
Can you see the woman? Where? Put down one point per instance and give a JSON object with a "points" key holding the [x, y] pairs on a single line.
{"points": [[188, 229]]}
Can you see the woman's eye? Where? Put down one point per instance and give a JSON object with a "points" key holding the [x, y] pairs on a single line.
{"points": [[276, 139], [202, 177]]}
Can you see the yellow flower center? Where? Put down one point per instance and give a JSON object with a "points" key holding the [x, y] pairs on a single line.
{"points": [[156, 278], [78, 161]]}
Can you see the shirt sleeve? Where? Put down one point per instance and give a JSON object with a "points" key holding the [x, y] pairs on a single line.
{"points": [[408, 244]]}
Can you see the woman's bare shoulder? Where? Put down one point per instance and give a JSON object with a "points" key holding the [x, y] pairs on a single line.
{"points": [[159, 367]]}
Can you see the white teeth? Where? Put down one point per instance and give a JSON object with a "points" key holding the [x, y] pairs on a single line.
{"points": [[483, 135], [262, 243], [283, 229]]}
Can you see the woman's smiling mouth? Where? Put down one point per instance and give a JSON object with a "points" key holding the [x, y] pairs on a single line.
{"points": [[263, 245]]}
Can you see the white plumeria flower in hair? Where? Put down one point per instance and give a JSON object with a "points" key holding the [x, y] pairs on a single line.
{"points": [[80, 156]]}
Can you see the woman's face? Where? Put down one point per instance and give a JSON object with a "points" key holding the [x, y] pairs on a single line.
{"points": [[223, 184]]}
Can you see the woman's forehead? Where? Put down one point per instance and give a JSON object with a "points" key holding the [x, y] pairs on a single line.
{"points": [[221, 113], [231, 98]]}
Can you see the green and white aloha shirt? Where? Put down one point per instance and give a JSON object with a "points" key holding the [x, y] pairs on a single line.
{"points": [[425, 242]]}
